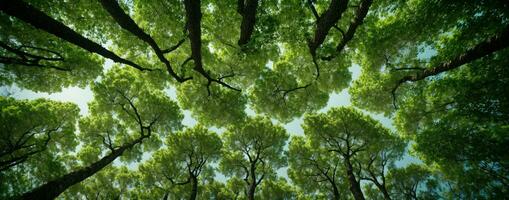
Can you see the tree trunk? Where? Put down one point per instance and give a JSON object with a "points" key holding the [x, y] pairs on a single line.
{"points": [[326, 22], [355, 186], [248, 21], [52, 189], [383, 189], [40, 20], [360, 14], [194, 190], [252, 186], [335, 192]]}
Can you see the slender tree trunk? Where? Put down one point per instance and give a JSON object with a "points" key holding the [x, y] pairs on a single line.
{"points": [[355, 186], [360, 14], [252, 186], [52, 189], [335, 192], [383, 189], [326, 21], [248, 21], [194, 185]]}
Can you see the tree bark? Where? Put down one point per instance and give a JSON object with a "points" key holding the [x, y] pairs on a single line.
{"points": [[52, 189], [194, 187], [252, 186], [247, 25], [193, 18], [489, 46], [360, 14], [335, 192], [40, 20], [128, 24], [383, 189], [355, 186], [326, 21]]}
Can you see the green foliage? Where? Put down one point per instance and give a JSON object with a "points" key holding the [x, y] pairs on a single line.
{"points": [[35, 137], [437, 69]]}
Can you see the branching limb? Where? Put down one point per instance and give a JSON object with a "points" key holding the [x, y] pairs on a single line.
{"points": [[360, 14], [486, 47], [40, 20], [173, 48], [128, 24]]}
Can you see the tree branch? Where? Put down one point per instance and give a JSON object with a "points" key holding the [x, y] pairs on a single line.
{"points": [[173, 48], [40, 20], [360, 14], [193, 16], [486, 47], [128, 24]]}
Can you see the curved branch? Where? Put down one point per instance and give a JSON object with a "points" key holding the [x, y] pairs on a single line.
{"points": [[325, 22], [128, 24], [173, 48], [40, 20], [486, 47], [360, 14]]}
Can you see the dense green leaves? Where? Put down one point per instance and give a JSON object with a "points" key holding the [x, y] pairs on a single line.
{"points": [[436, 69]]}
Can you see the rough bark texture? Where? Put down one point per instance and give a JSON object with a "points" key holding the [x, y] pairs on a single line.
{"points": [[326, 21], [52, 189], [128, 24], [355, 186], [40, 20], [247, 25]]}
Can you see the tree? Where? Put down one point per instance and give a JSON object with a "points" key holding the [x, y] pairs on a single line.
{"points": [[413, 182], [188, 153], [217, 75], [31, 127], [120, 95], [349, 134], [436, 69], [314, 164], [253, 150]]}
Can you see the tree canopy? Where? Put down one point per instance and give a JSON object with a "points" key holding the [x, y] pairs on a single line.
{"points": [[243, 70]]}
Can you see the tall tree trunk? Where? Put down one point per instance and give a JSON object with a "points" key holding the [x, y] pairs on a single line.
{"points": [[335, 192], [194, 187], [193, 15], [52, 189], [355, 186], [383, 189], [40, 20], [248, 13], [360, 14], [326, 21], [252, 186]]}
